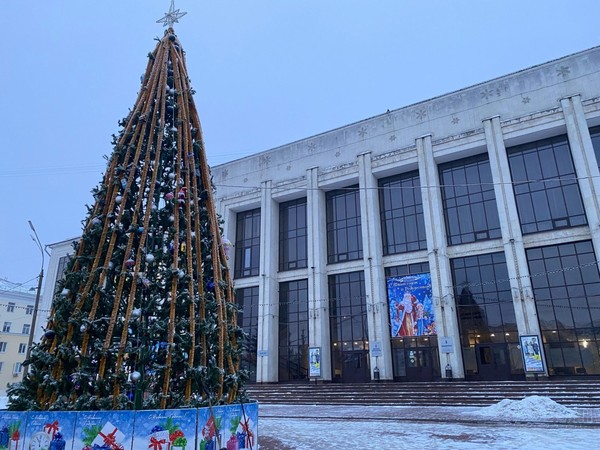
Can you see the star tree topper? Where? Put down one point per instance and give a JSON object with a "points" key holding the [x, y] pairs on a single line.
{"points": [[172, 16]]}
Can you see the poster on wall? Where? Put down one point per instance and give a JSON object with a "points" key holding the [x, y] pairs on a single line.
{"points": [[532, 354], [314, 362], [411, 305]]}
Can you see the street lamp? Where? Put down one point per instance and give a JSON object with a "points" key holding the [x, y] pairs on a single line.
{"points": [[35, 239]]}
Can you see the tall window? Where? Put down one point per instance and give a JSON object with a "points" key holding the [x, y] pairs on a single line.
{"points": [[566, 287], [62, 267], [484, 306], [22, 347], [6, 327], [247, 300], [29, 310], [469, 201], [347, 319], [293, 330], [17, 367], [402, 223], [247, 244], [408, 269], [292, 235], [26, 328], [595, 135], [2, 347], [10, 307], [545, 184], [344, 233]]}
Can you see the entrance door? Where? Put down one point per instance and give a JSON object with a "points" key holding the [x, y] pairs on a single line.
{"points": [[355, 367], [419, 364], [493, 362]]}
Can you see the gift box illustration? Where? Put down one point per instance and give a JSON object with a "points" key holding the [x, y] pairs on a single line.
{"points": [[57, 442], [159, 439], [245, 433], [109, 436]]}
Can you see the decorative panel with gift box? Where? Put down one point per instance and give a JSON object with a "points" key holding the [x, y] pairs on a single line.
{"points": [[104, 430], [12, 430], [166, 429], [50, 430], [233, 427]]}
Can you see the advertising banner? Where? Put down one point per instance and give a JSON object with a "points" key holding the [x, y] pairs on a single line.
{"points": [[532, 354], [314, 362], [411, 305]]}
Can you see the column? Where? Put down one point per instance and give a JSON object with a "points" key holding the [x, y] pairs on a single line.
{"points": [[586, 166], [439, 264], [318, 305], [512, 238], [268, 308], [377, 311]]}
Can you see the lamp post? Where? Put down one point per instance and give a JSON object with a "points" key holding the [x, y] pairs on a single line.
{"points": [[35, 239]]}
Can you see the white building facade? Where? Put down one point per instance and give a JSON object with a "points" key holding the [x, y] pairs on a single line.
{"points": [[16, 313], [459, 233]]}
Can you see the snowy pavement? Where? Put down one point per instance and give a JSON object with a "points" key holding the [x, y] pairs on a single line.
{"points": [[534, 423]]}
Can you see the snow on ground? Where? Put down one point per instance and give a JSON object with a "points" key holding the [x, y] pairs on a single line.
{"points": [[532, 423], [530, 408], [325, 434]]}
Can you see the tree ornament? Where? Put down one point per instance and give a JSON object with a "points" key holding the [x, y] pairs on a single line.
{"points": [[65, 292], [118, 199], [135, 376], [49, 334], [149, 258], [169, 196], [130, 263], [171, 218], [96, 221], [83, 328], [136, 313], [171, 176]]}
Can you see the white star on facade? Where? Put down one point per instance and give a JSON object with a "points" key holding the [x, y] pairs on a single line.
{"points": [[172, 16]]}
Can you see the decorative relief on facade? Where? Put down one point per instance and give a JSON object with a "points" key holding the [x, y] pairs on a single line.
{"points": [[393, 137], [311, 147], [245, 179], [525, 99], [487, 93], [264, 161], [362, 132], [288, 167], [421, 113], [455, 120], [337, 154], [224, 174], [563, 71]]}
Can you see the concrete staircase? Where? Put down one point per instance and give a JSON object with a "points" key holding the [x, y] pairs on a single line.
{"points": [[574, 393]]}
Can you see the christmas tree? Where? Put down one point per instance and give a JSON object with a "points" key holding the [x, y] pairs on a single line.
{"points": [[145, 316]]}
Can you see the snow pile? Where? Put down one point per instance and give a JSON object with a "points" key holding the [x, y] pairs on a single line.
{"points": [[3, 402], [530, 408]]}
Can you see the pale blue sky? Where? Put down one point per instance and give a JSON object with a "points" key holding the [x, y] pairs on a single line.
{"points": [[266, 72]]}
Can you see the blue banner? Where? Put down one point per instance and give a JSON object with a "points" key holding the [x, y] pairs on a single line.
{"points": [[411, 305]]}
